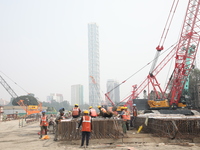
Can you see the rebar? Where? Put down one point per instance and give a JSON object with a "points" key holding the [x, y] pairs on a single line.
{"points": [[101, 128], [181, 128]]}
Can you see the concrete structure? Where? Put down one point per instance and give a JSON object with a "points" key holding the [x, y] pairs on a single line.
{"points": [[55, 96], [13, 110], [16, 110], [113, 90], [77, 94], [94, 72]]}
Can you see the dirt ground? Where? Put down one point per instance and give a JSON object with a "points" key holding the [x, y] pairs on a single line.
{"points": [[14, 138]]}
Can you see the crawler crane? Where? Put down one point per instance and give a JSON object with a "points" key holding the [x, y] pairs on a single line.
{"points": [[184, 52]]}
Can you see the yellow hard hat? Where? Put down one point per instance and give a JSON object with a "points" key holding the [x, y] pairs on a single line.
{"points": [[122, 108], [125, 107], [90, 107], [86, 112], [98, 106], [76, 105]]}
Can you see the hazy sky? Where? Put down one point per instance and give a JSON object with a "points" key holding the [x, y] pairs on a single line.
{"points": [[44, 43]]}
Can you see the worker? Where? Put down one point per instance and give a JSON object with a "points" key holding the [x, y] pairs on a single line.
{"points": [[58, 120], [43, 124], [86, 122], [104, 113], [76, 111], [51, 120], [135, 113], [92, 112], [100, 112], [123, 116], [128, 117]]}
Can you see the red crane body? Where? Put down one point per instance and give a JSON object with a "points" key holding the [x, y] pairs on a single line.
{"points": [[185, 49]]}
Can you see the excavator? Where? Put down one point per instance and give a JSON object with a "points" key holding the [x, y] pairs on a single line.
{"points": [[27, 102]]}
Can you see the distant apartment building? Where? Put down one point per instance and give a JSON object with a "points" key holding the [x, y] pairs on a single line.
{"points": [[3, 102], [113, 89], [55, 96], [77, 94], [93, 64]]}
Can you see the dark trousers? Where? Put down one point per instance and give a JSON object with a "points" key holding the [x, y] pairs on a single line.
{"points": [[76, 116], [87, 136], [127, 124], [132, 123], [43, 128], [56, 134]]}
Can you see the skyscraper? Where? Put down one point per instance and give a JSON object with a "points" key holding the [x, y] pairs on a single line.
{"points": [[77, 94], [55, 96], [113, 89], [93, 65]]}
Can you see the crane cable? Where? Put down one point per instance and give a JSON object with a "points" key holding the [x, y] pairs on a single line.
{"points": [[168, 22], [142, 68], [14, 82]]}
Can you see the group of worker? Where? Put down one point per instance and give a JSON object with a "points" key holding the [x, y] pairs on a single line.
{"points": [[86, 120]]}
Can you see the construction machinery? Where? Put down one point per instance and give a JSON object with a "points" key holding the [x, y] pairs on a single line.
{"points": [[184, 53], [27, 102]]}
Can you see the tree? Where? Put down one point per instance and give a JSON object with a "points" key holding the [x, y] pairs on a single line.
{"points": [[193, 90], [57, 105]]}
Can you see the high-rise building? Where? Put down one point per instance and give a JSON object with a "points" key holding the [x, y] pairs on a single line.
{"points": [[94, 73], [77, 94], [55, 96], [113, 90], [3, 102]]}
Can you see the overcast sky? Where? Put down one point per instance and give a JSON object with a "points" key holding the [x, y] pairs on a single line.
{"points": [[44, 43]]}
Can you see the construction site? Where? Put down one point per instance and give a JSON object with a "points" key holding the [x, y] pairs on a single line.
{"points": [[159, 132], [165, 119]]}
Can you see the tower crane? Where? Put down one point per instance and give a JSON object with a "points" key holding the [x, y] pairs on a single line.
{"points": [[185, 53]]}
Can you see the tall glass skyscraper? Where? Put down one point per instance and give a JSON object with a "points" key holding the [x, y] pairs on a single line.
{"points": [[93, 56]]}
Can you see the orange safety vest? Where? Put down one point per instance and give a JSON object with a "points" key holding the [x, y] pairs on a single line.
{"points": [[103, 110], [124, 117], [93, 112], [44, 121], [75, 111], [86, 123], [128, 116]]}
